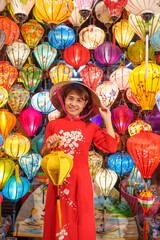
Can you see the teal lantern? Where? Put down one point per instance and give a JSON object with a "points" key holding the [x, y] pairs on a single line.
{"points": [[154, 40], [30, 163], [1, 140], [37, 142]]}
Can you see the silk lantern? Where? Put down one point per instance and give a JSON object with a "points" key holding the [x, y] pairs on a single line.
{"points": [[16, 145], [91, 37], [97, 119], [158, 100], [45, 55], [3, 96], [131, 97], [102, 14], [54, 12], [153, 119], [95, 161], [145, 90], [60, 73], [85, 7], [53, 115], [115, 7], [37, 17], [76, 55], [32, 32], [42, 177], [18, 53], [121, 117], [8, 121], [91, 75], [61, 37], [2, 38], [144, 148], [137, 126], [37, 141], [30, 120], [1, 140], [136, 52], [10, 10], [154, 40], [3, 5], [8, 75], [6, 169]]}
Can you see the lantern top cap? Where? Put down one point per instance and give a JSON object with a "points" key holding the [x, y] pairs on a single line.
{"points": [[95, 100]]}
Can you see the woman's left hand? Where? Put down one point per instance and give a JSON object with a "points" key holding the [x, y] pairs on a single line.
{"points": [[105, 112]]}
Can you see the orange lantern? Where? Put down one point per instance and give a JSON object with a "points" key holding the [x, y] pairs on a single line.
{"points": [[60, 73], [8, 121]]}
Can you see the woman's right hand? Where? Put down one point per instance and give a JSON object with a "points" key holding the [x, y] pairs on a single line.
{"points": [[52, 142]]}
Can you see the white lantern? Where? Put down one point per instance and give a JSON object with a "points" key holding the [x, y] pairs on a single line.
{"points": [[85, 7], [54, 115], [102, 14], [3, 5]]}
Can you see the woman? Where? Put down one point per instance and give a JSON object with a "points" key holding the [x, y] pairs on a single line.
{"points": [[75, 133]]}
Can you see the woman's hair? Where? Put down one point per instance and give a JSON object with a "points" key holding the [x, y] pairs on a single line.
{"points": [[83, 92]]}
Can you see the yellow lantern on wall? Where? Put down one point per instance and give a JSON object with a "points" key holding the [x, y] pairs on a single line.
{"points": [[7, 167], [60, 73], [8, 121], [145, 89], [136, 52]]}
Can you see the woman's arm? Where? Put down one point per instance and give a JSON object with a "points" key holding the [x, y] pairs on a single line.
{"points": [[50, 143], [106, 115]]}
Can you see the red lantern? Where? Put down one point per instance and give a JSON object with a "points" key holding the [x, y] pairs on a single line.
{"points": [[158, 58], [76, 55], [144, 148]]}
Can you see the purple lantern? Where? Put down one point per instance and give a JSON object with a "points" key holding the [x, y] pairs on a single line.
{"points": [[97, 119], [122, 117], [30, 120], [107, 53], [154, 120]]}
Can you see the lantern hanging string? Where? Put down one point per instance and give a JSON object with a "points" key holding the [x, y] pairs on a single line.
{"points": [[146, 57]]}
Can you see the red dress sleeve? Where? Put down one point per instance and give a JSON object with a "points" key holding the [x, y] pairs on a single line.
{"points": [[48, 132]]}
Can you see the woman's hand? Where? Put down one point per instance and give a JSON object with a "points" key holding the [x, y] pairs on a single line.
{"points": [[51, 142], [105, 112], [106, 115]]}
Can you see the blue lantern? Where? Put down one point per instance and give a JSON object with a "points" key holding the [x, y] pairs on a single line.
{"points": [[1, 140], [121, 163], [154, 40], [158, 100], [41, 102], [97, 119], [37, 142], [30, 163], [61, 37]]}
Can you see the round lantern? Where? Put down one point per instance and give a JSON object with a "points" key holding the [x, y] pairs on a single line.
{"points": [[53, 115], [3, 96], [107, 53], [154, 40], [41, 102], [91, 37], [136, 52], [8, 75], [158, 100], [16, 145], [30, 120], [6, 168], [145, 89], [8, 121], [2, 38], [45, 55], [131, 97], [137, 126], [120, 77], [41, 176], [85, 7], [3, 5], [97, 119], [107, 93], [61, 37], [54, 12], [37, 142], [37, 17], [32, 32], [102, 14], [18, 53], [10, 10], [60, 73], [30, 75], [76, 55], [121, 117], [120, 162], [17, 98], [30, 163], [95, 161], [91, 75], [153, 119], [10, 28], [144, 148], [115, 7]]}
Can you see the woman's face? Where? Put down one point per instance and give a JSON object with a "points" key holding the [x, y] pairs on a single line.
{"points": [[74, 104]]}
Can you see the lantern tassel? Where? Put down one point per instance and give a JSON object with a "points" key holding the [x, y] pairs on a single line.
{"points": [[59, 209], [147, 44], [145, 229], [114, 38]]}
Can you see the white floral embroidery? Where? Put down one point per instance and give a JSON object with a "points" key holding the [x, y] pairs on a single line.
{"points": [[66, 191], [61, 235]]}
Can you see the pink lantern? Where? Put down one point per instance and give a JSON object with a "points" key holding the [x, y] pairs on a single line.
{"points": [[30, 120], [131, 97], [85, 7], [91, 75], [122, 117]]}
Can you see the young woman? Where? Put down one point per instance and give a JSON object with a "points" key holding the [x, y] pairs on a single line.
{"points": [[75, 133]]}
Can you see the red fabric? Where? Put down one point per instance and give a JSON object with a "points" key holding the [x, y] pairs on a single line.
{"points": [[77, 205]]}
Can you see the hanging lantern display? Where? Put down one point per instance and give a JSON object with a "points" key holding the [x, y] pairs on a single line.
{"points": [[97, 119], [32, 32], [8, 121], [53, 115], [45, 55], [60, 73], [16, 145], [10, 28], [30, 120], [85, 7], [41, 102], [17, 98], [30, 163], [91, 37], [91, 75], [137, 126], [6, 169], [144, 148], [76, 55], [2, 38], [37, 142], [21, 9], [158, 100], [107, 93], [18, 53], [120, 162], [3, 96], [136, 52], [131, 97], [95, 161], [8, 75], [51, 11], [121, 117], [31, 76], [102, 14], [115, 8], [123, 33], [145, 89], [3, 5], [153, 119], [107, 54], [42, 177], [61, 37], [120, 77]]}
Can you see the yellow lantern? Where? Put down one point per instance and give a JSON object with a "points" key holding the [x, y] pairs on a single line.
{"points": [[54, 12], [137, 126], [16, 145], [3, 96], [37, 17], [60, 73], [6, 169], [145, 89], [8, 121]]}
